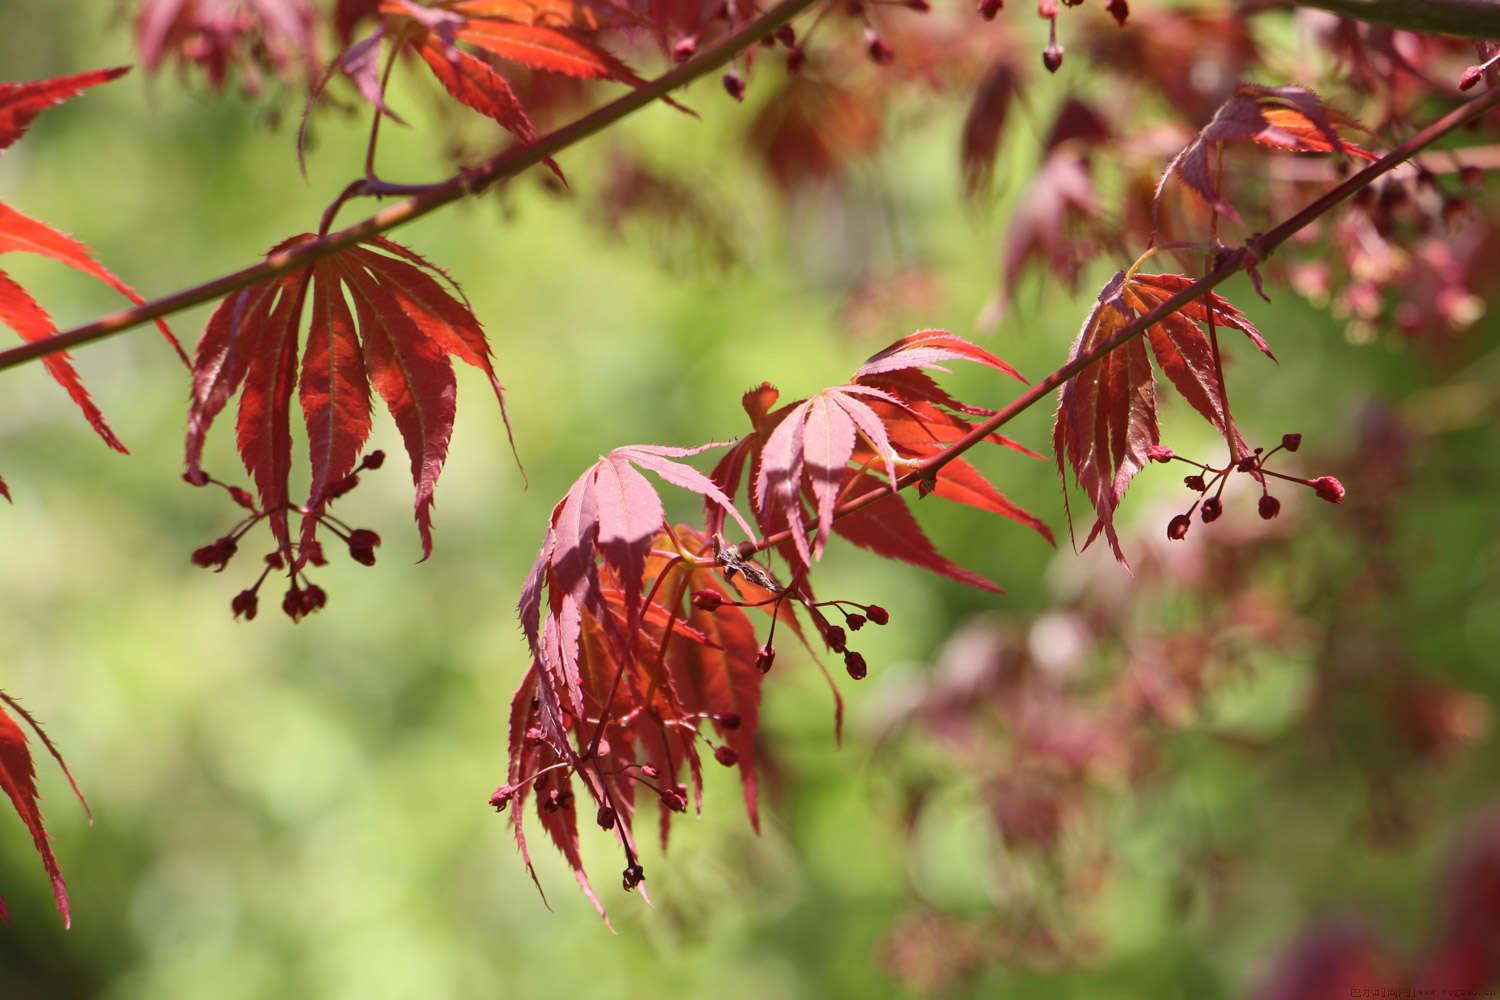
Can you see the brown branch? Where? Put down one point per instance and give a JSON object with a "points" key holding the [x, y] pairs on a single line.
{"points": [[1467, 18], [499, 167], [1257, 249]]}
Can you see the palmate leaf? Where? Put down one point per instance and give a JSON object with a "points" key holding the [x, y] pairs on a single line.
{"points": [[806, 457], [610, 517], [550, 37], [20, 103], [18, 781], [1106, 420], [657, 673], [381, 318], [1287, 118]]}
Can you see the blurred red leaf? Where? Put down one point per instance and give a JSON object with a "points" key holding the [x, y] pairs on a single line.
{"points": [[18, 780]]}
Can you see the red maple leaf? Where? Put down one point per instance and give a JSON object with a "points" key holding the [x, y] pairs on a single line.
{"points": [[552, 37], [817, 452], [1288, 118], [398, 338], [18, 781], [1106, 419], [20, 103], [622, 686], [249, 35]]}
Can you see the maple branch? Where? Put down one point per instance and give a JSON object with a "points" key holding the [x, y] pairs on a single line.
{"points": [[1468, 18], [499, 167], [1244, 258]]}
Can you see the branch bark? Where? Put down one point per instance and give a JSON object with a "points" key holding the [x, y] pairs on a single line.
{"points": [[1466, 18], [461, 185]]}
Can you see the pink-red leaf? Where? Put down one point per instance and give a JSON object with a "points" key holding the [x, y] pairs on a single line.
{"points": [[20, 103], [1106, 414], [1287, 118], [887, 528], [415, 378], [19, 311], [18, 781]]}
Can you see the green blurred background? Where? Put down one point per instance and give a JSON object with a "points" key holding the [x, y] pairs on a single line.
{"points": [[301, 810]]}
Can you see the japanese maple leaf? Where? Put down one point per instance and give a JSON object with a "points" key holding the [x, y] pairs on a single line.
{"points": [[399, 338], [220, 35], [643, 683], [609, 516], [18, 781], [1106, 419], [20, 103], [817, 452], [1288, 118], [530, 35], [1058, 222], [984, 126]]}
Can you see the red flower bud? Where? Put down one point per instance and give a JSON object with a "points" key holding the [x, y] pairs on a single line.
{"points": [[1246, 464], [880, 52], [1052, 57], [291, 604], [734, 85], [1177, 528], [373, 460], [242, 497], [674, 800], [605, 817], [650, 771], [765, 658], [502, 797], [836, 638], [989, 8], [634, 876], [1329, 488], [1470, 77], [1120, 9], [726, 756], [730, 720], [245, 603], [1291, 442], [313, 599], [707, 600], [855, 664], [1159, 453], [786, 35], [1213, 507], [195, 477], [877, 614], [683, 50], [855, 622], [1195, 483], [1269, 506], [313, 550], [363, 556], [363, 538]]}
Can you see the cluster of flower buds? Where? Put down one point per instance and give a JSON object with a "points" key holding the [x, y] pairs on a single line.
{"points": [[303, 597], [837, 639], [1209, 482]]}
